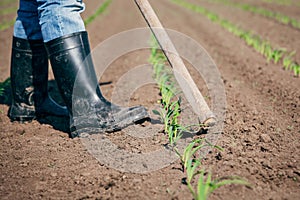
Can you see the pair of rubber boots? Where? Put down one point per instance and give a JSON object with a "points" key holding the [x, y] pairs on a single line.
{"points": [[75, 75]]}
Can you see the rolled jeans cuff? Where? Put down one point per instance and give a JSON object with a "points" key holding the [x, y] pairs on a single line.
{"points": [[48, 19]]}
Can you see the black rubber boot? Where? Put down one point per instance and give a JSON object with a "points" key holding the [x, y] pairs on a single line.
{"points": [[76, 78], [29, 82]]}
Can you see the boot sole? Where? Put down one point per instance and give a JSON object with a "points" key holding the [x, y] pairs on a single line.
{"points": [[22, 119], [83, 132]]}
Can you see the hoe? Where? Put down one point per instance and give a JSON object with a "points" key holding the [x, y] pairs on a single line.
{"points": [[184, 79]]}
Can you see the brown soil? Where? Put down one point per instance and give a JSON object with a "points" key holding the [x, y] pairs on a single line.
{"points": [[260, 137]]}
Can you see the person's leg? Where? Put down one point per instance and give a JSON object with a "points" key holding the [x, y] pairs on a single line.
{"points": [[68, 47], [29, 69], [74, 72], [60, 18], [27, 22]]}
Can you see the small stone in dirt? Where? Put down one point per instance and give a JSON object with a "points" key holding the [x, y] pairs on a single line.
{"points": [[263, 149], [53, 174], [21, 132], [183, 181], [246, 129], [265, 138], [266, 164], [219, 156], [23, 164], [297, 172], [289, 128], [109, 185], [137, 180], [85, 174]]}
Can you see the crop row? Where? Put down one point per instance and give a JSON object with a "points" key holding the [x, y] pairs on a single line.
{"points": [[170, 111], [282, 2], [281, 18], [169, 115], [276, 55]]}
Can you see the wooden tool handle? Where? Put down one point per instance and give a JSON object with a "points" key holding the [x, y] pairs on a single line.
{"points": [[188, 86]]}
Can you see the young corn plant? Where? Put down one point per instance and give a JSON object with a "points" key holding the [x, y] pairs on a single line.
{"points": [[169, 115], [276, 55], [279, 17], [191, 166], [287, 61], [207, 186], [190, 151], [170, 111], [296, 69], [99, 11]]}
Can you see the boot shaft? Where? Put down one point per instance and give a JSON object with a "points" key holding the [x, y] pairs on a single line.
{"points": [[29, 71], [29, 82], [74, 70], [76, 78]]}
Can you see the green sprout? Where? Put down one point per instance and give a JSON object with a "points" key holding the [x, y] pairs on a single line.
{"points": [[287, 61], [99, 11], [296, 68], [279, 17], [169, 114], [206, 186], [170, 103], [277, 54], [264, 47], [191, 166]]}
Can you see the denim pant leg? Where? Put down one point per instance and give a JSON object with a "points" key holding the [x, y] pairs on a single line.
{"points": [[60, 17], [27, 22]]}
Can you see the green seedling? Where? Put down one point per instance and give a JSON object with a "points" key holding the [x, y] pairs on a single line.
{"points": [[189, 152], [191, 149], [268, 52], [296, 68], [280, 2], [189, 162], [99, 11], [263, 47], [169, 115], [255, 41], [263, 12], [191, 165], [277, 54], [295, 23], [287, 61], [257, 44], [206, 186], [170, 111]]}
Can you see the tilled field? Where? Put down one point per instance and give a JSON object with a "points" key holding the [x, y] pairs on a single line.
{"points": [[262, 125]]}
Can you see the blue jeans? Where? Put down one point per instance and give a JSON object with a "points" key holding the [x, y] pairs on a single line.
{"points": [[48, 19]]}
